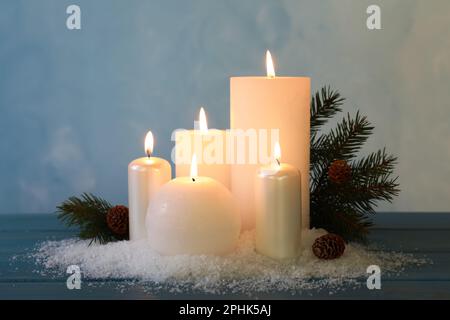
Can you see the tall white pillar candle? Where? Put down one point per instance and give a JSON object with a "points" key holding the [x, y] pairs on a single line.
{"points": [[145, 176], [278, 211], [271, 103], [209, 146]]}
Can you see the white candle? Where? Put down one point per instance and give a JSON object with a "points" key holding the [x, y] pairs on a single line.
{"points": [[209, 145], [193, 215], [271, 103], [278, 210], [146, 175]]}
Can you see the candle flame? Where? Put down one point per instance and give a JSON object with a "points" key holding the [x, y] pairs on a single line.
{"points": [[277, 154], [202, 121], [194, 170], [269, 65], [149, 144]]}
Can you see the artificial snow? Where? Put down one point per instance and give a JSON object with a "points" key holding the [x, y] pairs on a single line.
{"points": [[243, 271]]}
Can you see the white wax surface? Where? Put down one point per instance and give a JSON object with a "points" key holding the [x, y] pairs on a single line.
{"points": [[277, 103], [145, 177], [193, 217], [278, 212]]}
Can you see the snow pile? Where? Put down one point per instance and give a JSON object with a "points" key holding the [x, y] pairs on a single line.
{"points": [[242, 271]]}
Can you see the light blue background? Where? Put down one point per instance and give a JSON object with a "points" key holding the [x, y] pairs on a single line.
{"points": [[75, 105]]}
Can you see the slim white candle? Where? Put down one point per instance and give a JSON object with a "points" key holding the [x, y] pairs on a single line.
{"points": [[145, 176], [278, 210]]}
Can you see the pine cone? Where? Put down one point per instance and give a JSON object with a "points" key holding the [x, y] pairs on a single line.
{"points": [[339, 172], [117, 220], [329, 246]]}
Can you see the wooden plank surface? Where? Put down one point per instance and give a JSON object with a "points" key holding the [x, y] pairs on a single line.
{"points": [[424, 234]]}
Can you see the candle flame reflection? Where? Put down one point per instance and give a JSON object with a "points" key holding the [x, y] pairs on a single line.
{"points": [[269, 65], [149, 144]]}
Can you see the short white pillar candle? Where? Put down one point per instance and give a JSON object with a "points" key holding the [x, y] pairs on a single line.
{"points": [[209, 146]]}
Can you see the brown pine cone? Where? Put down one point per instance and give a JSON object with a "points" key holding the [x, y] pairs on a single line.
{"points": [[339, 172], [329, 246], [117, 220]]}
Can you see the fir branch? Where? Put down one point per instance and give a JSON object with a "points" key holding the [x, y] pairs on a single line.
{"points": [[375, 164], [353, 225], [318, 149], [324, 105], [341, 143], [364, 196], [371, 182], [87, 212], [345, 208], [348, 223], [347, 139]]}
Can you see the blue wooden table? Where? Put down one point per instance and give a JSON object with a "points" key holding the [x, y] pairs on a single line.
{"points": [[424, 234]]}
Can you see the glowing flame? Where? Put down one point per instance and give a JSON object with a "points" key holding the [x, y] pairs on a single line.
{"points": [[277, 153], [202, 121], [194, 170], [149, 144], [269, 65]]}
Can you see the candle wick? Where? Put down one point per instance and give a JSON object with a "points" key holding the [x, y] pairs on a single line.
{"points": [[278, 161], [193, 179], [149, 154]]}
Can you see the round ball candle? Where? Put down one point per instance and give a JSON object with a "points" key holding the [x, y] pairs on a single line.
{"points": [[193, 215], [278, 210], [146, 175], [271, 102], [209, 146]]}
